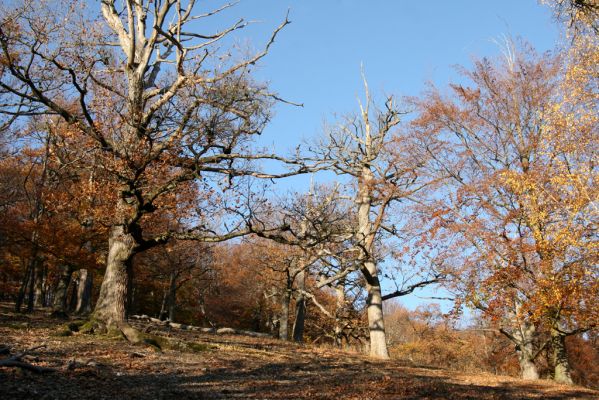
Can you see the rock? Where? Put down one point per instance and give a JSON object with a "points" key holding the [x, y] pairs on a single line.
{"points": [[226, 331]]}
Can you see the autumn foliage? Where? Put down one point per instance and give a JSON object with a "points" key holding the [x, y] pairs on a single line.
{"points": [[130, 185]]}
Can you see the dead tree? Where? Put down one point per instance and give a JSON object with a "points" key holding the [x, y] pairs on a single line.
{"points": [[384, 168]]}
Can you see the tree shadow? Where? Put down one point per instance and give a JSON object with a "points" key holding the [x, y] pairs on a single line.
{"points": [[327, 379]]}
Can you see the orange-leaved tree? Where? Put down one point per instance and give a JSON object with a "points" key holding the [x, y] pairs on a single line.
{"points": [[519, 212]]}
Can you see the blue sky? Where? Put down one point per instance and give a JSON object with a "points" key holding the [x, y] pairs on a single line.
{"points": [[402, 45]]}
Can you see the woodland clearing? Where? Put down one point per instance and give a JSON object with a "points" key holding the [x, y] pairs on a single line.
{"points": [[229, 366]]}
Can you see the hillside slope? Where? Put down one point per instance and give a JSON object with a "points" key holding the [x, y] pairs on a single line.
{"points": [[228, 367]]}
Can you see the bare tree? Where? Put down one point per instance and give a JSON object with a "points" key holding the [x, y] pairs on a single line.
{"points": [[384, 169], [311, 227]]}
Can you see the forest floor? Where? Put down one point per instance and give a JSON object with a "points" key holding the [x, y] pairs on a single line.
{"points": [[229, 367]]}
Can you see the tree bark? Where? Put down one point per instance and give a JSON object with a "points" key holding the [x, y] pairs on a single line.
{"points": [[339, 310], [111, 306], [163, 307], [528, 369], [130, 298], [376, 320], [284, 319], [38, 290], [172, 296], [523, 337], [84, 292], [561, 365], [33, 277], [59, 305], [300, 308], [24, 286]]}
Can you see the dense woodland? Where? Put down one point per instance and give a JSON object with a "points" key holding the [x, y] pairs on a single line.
{"points": [[131, 184]]}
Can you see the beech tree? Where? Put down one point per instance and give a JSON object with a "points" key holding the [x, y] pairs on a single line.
{"points": [[519, 211]]}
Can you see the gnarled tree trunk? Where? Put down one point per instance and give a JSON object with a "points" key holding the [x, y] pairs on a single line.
{"points": [[526, 352], [523, 337], [559, 357], [376, 321], [528, 369], [111, 306]]}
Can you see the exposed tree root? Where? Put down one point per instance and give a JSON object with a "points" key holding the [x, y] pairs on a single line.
{"points": [[159, 342], [135, 336]]}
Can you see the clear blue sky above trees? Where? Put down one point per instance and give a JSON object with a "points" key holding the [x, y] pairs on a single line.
{"points": [[402, 44]]}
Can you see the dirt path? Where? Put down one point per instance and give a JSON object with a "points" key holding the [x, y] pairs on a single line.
{"points": [[231, 367]]}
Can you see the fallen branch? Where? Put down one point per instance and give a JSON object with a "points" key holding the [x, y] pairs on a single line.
{"points": [[23, 365], [16, 361], [220, 331]]}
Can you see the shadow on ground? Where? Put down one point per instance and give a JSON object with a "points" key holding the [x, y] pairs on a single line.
{"points": [[234, 368], [289, 380]]}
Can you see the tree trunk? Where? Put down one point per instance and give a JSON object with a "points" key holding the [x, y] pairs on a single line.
{"points": [[111, 306], [84, 292], [376, 321], [172, 296], [524, 339], [528, 369], [163, 307], [284, 319], [366, 236], [59, 305], [33, 276], [300, 309], [38, 289], [38, 283], [561, 365], [129, 303], [169, 300], [72, 296], [23, 289], [339, 311]]}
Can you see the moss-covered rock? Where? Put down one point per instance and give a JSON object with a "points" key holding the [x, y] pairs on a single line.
{"points": [[64, 332]]}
